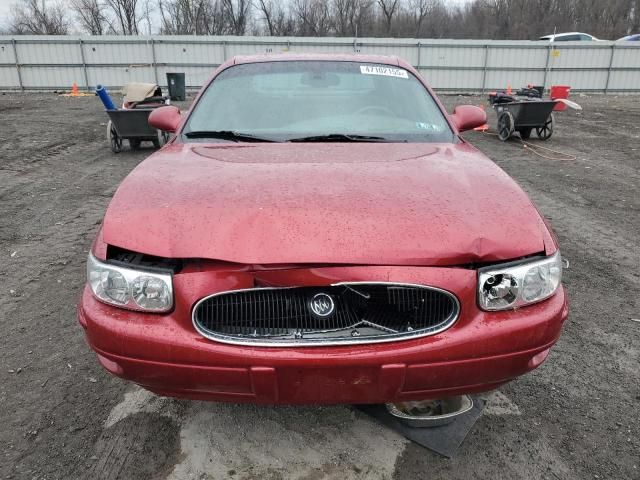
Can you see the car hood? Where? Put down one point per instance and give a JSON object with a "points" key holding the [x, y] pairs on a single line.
{"points": [[324, 203]]}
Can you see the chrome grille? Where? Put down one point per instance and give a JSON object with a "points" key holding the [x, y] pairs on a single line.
{"points": [[362, 313]]}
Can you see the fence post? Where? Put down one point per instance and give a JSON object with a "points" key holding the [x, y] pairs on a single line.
{"points": [[15, 56], [613, 52], [484, 68], [224, 51], [153, 60], [419, 64], [546, 68], [84, 64]]}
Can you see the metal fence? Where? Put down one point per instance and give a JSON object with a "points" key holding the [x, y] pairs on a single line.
{"points": [[56, 62]]}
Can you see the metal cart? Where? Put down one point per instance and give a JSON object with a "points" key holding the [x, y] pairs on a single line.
{"points": [[523, 116], [133, 125]]}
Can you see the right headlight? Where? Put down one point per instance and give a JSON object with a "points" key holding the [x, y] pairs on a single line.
{"points": [[503, 287], [129, 287]]}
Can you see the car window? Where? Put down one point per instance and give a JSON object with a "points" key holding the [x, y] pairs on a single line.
{"points": [[567, 38], [293, 99], [586, 37]]}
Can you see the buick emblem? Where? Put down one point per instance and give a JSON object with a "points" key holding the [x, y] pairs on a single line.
{"points": [[322, 305]]}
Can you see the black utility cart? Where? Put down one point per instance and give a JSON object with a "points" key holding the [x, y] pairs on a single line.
{"points": [[131, 122], [522, 115], [133, 125]]}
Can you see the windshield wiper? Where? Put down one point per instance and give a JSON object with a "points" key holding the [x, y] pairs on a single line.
{"points": [[227, 135], [339, 137]]}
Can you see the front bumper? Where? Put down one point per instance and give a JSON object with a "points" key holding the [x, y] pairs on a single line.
{"points": [[165, 354]]}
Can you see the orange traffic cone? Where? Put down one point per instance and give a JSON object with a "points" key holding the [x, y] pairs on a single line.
{"points": [[74, 90]]}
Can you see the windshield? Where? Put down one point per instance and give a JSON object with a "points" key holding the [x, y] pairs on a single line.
{"points": [[297, 99]]}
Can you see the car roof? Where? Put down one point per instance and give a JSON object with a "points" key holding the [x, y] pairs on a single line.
{"points": [[563, 34], [321, 57]]}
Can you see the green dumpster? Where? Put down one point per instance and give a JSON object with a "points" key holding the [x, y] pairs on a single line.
{"points": [[177, 89]]}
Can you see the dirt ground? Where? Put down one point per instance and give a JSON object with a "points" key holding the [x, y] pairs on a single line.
{"points": [[62, 416]]}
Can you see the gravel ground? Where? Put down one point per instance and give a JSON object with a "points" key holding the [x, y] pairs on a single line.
{"points": [[62, 416]]}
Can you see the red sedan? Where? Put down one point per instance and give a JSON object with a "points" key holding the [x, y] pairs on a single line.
{"points": [[317, 231]]}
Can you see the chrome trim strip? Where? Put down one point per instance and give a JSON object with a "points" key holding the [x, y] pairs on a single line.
{"points": [[328, 342]]}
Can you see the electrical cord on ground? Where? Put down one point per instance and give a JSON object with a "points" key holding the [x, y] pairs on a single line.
{"points": [[536, 149]]}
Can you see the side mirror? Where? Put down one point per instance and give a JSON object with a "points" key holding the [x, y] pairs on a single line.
{"points": [[467, 117], [166, 119]]}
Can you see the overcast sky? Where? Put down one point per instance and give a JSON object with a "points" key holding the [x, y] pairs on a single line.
{"points": [[4, 11]]}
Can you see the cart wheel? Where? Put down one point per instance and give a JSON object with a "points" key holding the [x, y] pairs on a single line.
{"points": [[134, 143], [114, 138], [525, 133], [545, 132], [505, 126], [161, 140]]}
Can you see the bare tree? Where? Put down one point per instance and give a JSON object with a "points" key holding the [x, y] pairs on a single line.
{"points": [[126, 14], [36, 17], [267, 10], [237, 14], [278, 20], [180, 17], [214, 20], [352, 17], [147, 16], [419, 10], [633, 17], [313, 18], [492, 19], [192, 17], [91, 16], [389, 8]]}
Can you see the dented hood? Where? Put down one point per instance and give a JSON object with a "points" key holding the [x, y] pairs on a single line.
{"points": [[336, 203]]}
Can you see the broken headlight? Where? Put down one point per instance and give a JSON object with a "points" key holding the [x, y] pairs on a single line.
{"points": [[130, 288], [502, 287]]}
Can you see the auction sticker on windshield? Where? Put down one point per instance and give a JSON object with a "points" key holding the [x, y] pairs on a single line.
{"points": [[386, 71]]}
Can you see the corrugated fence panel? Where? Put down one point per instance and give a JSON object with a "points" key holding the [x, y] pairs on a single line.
{"points": [[402, 52], [102, 53], [580, 57], [118, 76], [455, 80], [9, 77], [626, 57], [194, 77], [49, 53], [191, 53], [307, 47], [517, 57], [233, 49], [49, 62], [444, 57], [624, 80], [501, 79], [6, 53], [579, 80], [56, 77]]}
